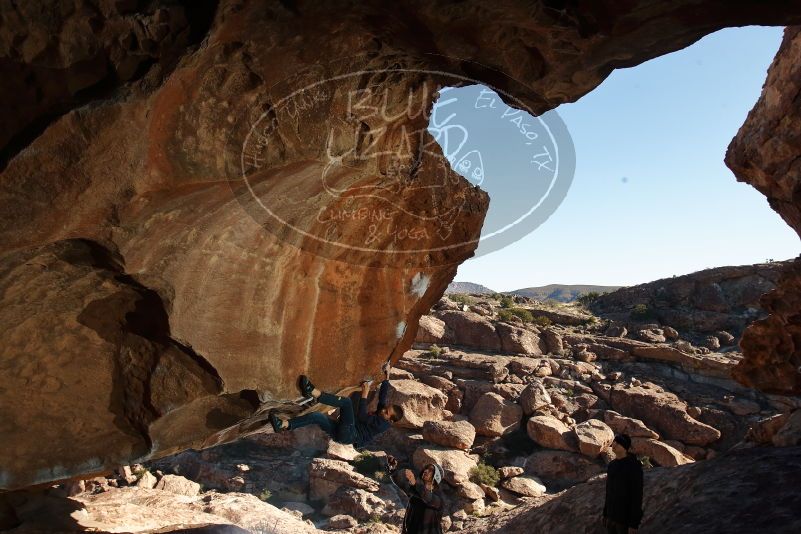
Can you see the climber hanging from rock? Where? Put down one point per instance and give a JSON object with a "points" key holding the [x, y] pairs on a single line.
{"points": [[357, 427]]}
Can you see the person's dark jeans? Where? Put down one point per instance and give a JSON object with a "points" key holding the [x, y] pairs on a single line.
{"points": [[613, 527], [343, 430]]}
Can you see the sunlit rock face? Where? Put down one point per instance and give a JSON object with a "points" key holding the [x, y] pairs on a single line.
{"points": [[195, 231], [722, 298], [765, 153]]}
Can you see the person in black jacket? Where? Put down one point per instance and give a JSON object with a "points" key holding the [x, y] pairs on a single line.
{"points": [[424, 511], [353, 426], [624, 479]]}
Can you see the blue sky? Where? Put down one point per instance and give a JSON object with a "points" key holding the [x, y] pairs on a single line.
{"points": [[651, 196]]}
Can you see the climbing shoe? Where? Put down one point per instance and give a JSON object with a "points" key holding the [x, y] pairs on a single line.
{"points": [[305, 386], [278, 425]]}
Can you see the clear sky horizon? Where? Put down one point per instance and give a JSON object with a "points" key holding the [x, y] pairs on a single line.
{"points": [[651, 196]]}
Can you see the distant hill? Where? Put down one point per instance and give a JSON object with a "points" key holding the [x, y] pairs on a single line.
{"points": [[561, 292], [468, 287]]}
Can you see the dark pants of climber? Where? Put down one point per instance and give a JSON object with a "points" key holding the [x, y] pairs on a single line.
{"points": [[614, 527], [343, 430]]}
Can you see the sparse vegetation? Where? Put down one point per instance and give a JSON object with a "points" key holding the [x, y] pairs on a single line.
{"points": [[541, 320], [524, 314], [646, 462], [368, 465], [461, 298], [507, 302], [435, 350], [138, 472], [641, 312], [375, 518], [484, 474], [588, 298], [265, 495]]}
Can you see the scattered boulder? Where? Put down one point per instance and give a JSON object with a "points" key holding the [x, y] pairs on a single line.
{"points": [[475, 389], [661, 410], [564, 403], [561, 316], [354, 502], [455, 434], [339, 451], [454, 394], [553, 342], [584, 355], [724, 337], [790, 433], [420, 402], [132, 509], [481, 308], [456, 464], [616, 331], [510, 471], [491, 492], [76, 487], [401, 374], [342, 522], [147, 480], [470, 490], [670, 333], [740, 406], [525, 485], [651, 335], [327, 476], [235, 483], [444, 304], [549, 432], [762, 431], [127, 475], [696, 453], [517, 340], [661, 453], [471, 330], [593, 436], [634, 428], [301, 507], [178, 485], [431, 330], [475, 507], [711, 342], [562, 466], [439, 382], [493, 415], [534, 397]]}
